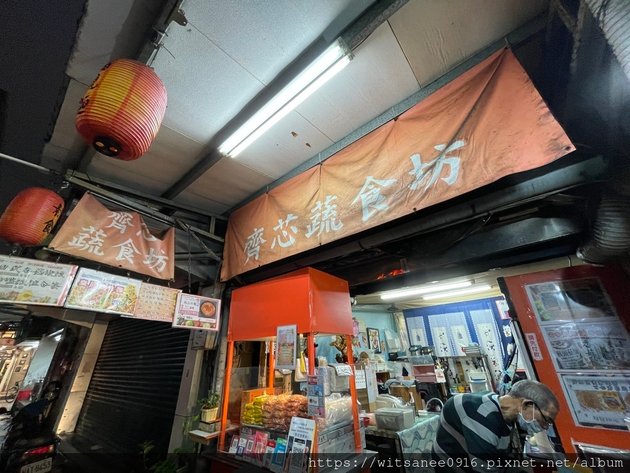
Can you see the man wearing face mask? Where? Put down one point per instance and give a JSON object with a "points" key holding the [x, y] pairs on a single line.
{"points": [[477, 431]]}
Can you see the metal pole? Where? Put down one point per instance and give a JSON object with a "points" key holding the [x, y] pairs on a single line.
{"points": [[26, 163]]}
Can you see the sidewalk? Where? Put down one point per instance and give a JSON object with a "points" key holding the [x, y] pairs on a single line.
{"points": [[81, 456]]}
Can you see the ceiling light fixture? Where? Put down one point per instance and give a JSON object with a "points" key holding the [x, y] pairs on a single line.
{"points": [[460, 292], [426, 289], [320, 71]]}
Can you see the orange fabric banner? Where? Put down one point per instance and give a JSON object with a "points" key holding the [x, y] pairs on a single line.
{"points": [[486, 124], [119, 239]]}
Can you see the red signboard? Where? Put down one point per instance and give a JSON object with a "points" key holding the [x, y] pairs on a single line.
{"points": [[119, 239], [486, 124]]}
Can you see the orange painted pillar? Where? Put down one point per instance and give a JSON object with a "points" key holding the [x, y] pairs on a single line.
{"points": [[271, 370], [226, 393], [353, 395], [310, 341]]}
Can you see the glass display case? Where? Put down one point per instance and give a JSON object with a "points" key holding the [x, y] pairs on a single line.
{"points": [[264, 406]]}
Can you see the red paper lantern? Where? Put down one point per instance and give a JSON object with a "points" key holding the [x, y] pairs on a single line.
{"points": [[31, 216], [122, 111]]}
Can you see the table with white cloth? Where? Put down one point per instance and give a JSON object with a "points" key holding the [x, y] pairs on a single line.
{"points": [[411, 447]]}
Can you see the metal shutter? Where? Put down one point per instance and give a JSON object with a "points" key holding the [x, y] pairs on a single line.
{"points": [[134, 388]]}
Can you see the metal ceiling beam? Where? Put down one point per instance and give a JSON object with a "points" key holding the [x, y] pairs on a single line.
{"points": [[353, 34], [141, 209], [79, 177]]}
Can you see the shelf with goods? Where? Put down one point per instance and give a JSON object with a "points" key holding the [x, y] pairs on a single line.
{"points": [[317, 304]]}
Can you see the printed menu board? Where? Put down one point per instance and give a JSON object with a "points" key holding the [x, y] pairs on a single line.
{"points": [[286, 339], [30, 281], [585, 337], [588, 345], [197, 312], [570, 300], [598, 401], [156, 303], [102, 292]]}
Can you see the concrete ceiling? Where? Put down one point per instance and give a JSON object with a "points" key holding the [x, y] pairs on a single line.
{"points": [[222, 54], [217, 56]]}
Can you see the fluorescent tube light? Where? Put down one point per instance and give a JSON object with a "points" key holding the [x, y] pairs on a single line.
{"points": [[460, 292], [426, 289], [327, 64]]}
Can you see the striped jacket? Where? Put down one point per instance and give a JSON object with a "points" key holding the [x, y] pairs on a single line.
{"points": [[472, 430]]}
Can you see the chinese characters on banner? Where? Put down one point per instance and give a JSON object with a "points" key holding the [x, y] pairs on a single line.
{"points": [[197, 312], [488, 123], [102, 292], [34, 282], [119, 239], [156, 303]]}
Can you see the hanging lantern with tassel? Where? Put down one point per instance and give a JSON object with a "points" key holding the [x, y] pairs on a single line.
{"points": [[122, 111], [31, 216]]}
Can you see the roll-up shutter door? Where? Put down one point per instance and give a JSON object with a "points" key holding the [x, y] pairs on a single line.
{"points": [[134, 388]]}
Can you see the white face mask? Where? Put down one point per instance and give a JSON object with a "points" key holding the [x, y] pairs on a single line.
{"points": [[532, 426]]}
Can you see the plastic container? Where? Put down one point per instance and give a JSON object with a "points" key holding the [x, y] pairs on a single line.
{"points": [[394, 418]]}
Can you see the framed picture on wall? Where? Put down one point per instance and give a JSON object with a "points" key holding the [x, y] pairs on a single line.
{"points": [[374, 340]]}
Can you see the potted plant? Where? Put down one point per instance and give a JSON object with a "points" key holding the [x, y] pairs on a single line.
{"points": [[209, 407]]}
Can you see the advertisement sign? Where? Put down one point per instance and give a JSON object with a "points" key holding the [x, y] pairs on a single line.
{"points": [[119, 239], [588, 345], [598, 401], [299, 445], [569, 300], [286, 342], [29, 281], [102, 292], [437, 150], [534, 348], [156, 303], [197, 312]]}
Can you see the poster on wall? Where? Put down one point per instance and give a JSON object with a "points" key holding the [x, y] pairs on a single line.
{"points": [[597, 401], [34, 282], [569, 300], [441, 341], [588, 345], [374, 340], [461, 339], [197, 312], [103, 292], [156, 303], [486, 333], [503, 308], [418, 337], [286, 339]]}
